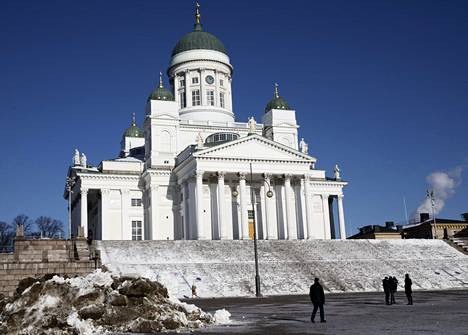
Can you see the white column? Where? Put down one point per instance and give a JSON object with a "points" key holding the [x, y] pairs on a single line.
{"points": [[243, 205], [309, 209], [186, 210], [223, 224], [154, 233], [105, 224], [291, 223], [341, 217], [199, 204], [188, 92], [125, 224], [84, 210], [263, 211], [272, 229], [203, 99], [326, 217]]}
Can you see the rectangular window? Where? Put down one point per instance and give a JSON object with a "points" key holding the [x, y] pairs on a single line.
{"points": [[221, 99], [182, 83], [195, 80], [136, 202], [221, 82], [183, 101], [196, 98], [136, 230], [210, 98]]}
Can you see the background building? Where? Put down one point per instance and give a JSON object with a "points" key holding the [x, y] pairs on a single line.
{"points": [[441, 228]]}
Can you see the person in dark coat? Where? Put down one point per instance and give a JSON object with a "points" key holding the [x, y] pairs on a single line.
{"points": [[408, 289], [393, 289], [386, 288], [317, 296]]}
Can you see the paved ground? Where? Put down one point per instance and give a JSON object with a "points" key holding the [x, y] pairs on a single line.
{"points": [[441, 312]]}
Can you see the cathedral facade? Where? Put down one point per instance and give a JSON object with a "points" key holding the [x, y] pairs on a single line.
{"points": [[193, 172]]}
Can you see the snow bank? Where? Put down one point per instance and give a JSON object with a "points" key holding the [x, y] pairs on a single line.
{"points": [[226, 268], [96, 304]]}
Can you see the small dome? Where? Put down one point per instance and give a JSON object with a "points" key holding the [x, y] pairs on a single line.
{"points": [[277, 102], [133, 130], [160, 93], [198, 39]]}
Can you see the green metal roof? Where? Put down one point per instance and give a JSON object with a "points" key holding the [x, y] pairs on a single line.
{"points": [[277, 102], [160, 93], [133, 130], [198, 39]]}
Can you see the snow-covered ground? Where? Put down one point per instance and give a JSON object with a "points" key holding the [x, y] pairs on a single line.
{"points": [[226, 268]]}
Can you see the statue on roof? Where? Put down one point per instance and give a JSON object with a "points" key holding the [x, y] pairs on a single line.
{"points": [[252, 125], [76, 158], [199, 141], [303, 146], [83, 160], [337, 172]]}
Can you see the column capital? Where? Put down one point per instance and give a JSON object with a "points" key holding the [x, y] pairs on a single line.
{"points": [[105, 191], [124, 191], [288, 176], [221, 174], [325, 195], [307, 177], [199, 173], [267, 176], [84, 190], [340, 196], [241, 175]]}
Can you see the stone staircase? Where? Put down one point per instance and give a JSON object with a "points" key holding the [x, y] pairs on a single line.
{"points": [[226, 268], [460, 242]]}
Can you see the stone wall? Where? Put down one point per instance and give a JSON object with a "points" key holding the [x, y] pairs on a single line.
{"points": [[35, 258]]}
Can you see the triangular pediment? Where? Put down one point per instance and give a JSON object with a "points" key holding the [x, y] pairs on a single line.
{"points": [[254, 147]]}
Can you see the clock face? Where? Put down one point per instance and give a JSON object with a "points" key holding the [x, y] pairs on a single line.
{"points": [[209, 80]]}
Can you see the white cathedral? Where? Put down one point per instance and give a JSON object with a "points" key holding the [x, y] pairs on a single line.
{"points": [[194, 173]]}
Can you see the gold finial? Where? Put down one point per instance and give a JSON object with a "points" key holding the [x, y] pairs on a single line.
{"points": [[197, 13], [133, 120], [276, 90], [160, 80]]}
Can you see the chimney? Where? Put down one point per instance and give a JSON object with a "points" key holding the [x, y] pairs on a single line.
{"points": [[465, 216], [423, 217]]}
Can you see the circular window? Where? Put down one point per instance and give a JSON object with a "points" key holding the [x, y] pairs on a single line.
{"points": [[209, 80]]}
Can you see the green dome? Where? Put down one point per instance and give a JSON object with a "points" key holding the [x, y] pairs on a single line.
{"points": [[160, 93], [277, 102], [198, 39], [133, 130]]}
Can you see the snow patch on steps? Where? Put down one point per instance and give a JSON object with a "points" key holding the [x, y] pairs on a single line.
{"points": [[226, 268]]}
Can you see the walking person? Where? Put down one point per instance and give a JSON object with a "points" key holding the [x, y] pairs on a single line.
{"points": [[393, 289], [408, 289], [317, 296], [386, 288]]}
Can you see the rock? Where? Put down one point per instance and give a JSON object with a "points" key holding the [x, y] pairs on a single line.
{"points": [[25, 283], [142, 325], [136, 288], [91, 312], [116, 299]]}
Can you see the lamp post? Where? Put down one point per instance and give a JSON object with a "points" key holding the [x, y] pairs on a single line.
{"points": [[70, 184], [430, 195], [257, 276]]}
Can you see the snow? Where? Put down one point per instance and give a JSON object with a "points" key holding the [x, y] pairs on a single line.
{"points": [[84, 327], [86, 284], [222, 316], [226, 268]]}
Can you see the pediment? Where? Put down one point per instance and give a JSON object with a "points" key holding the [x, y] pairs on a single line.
{"points": [[254, 147]]}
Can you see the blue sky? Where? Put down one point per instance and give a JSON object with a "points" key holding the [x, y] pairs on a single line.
{"points": [[379, 87]]}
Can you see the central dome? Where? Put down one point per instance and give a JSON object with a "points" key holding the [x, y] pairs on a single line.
{"points": [[198, 39]]}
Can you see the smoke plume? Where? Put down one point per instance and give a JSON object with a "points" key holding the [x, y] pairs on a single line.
{"points": [[444, 185]]}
